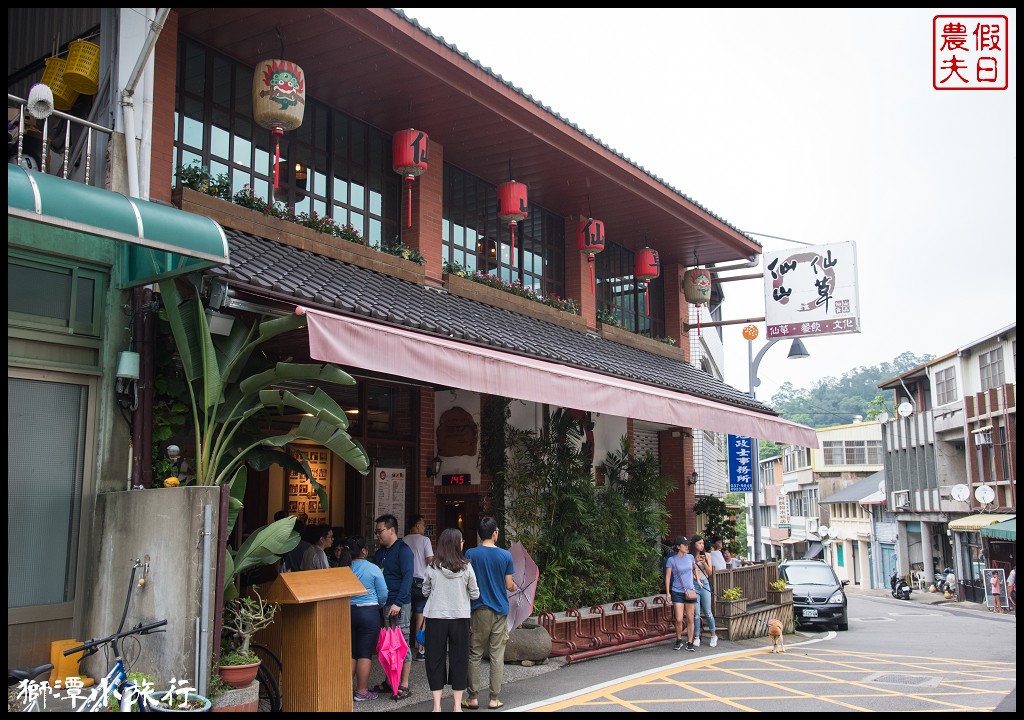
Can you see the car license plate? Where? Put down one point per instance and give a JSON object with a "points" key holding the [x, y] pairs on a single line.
{"points": [[809, 612]]}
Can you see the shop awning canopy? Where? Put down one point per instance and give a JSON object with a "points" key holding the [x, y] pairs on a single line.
{"points": [[790, 541], [814, 549], [363, 344], [1006, 530], [157, 241], [974, 523]]}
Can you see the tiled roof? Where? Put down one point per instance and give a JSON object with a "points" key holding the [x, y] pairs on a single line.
{"points": [[313, 280]]}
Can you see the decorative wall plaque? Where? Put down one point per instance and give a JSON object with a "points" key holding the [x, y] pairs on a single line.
{"points": [[456, 433]]}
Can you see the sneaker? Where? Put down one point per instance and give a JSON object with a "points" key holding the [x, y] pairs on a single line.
{"points": [[714, 641], [696, 642], [363, 697], [679, 645], [690, 647], [420, 657]]}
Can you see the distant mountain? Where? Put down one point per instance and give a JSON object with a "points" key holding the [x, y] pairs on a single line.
{"points": [[835, 401]]}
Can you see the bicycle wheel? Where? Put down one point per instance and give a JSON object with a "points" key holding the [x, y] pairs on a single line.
{"points": [[270, 691]]}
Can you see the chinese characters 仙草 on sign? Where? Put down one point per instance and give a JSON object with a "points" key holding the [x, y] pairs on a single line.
{"points": [[811, 291], [970, 52], [741, 464]]}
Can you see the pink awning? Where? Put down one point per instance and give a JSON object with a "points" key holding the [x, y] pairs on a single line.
{"points": [[433, 360]]}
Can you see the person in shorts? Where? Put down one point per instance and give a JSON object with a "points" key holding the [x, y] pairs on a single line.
{"points": [[395, 559], [679, 579], [365, 616]]}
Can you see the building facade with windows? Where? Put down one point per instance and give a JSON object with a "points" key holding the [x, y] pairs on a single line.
{"points": [[950, 460]]}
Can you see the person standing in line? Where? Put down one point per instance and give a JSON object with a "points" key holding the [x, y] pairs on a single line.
{"points": [[1011, 588], [681, 591], [450, 585], [422, 553], [488, 627], [731, 562], [292, 561], [703, 570], [395, 559], [365, 616], [320, 539], [716, 554]]}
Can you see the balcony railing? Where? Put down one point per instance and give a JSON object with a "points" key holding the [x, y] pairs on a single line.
{"points": [[20, 128]]}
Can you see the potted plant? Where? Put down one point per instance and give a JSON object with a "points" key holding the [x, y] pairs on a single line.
{"points": [[177, 700], [779, 592], [732, 603], [243, 618]]}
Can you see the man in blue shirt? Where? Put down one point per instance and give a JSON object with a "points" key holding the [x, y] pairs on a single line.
{"points": [[489, 620], [395, 559]]}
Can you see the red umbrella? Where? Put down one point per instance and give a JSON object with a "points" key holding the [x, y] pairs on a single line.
{"points": [[525, 575], [392, 648]]}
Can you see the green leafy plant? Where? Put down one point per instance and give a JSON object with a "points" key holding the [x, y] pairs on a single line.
{"points": [[608, 318], [732, 594], [515, 288], [717, 517], [265, 546], [215, 686], [197, 177], [144, 683], [399, 249], [454, 268], [243, 618], [668, 340], [778, 585]]}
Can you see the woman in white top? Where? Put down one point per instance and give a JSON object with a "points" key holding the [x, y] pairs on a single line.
{"points": [[449, 585]]}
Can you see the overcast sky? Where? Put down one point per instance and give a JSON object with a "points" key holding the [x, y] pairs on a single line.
{"points": [[820, 126]]}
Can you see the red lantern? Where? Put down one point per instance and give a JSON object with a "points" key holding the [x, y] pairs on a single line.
{"points": [[512, 208], [646, 267], [590, 240], [409, 150]]}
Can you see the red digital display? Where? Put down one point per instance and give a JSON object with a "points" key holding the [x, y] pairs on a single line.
{"points": [[456, 479]]}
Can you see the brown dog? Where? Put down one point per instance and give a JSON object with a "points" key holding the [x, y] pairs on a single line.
{"points": [[775, 629]]}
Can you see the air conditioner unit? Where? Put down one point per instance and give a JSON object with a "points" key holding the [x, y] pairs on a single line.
{"points": [[945, 491], [982, 438], [812, 525], [901, 499]]}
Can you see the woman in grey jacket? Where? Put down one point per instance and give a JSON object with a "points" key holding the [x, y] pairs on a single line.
{"points": [[449, 585]]}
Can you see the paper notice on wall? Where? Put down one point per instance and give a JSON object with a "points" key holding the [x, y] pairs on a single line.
{"points": [[389, 494]]}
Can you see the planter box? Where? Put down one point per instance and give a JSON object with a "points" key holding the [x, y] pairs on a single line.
{"points": [[779, 597], [625, 337], [472, 290], [730, 609], [243, 219], [245, 699]]}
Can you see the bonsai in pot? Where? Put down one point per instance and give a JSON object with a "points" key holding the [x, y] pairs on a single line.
{"points": [[243, 618]]}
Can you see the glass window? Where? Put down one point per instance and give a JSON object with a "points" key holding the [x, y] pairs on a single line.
{"points": [[945, 385], [55, 295], [991, 364], [621, 299]]}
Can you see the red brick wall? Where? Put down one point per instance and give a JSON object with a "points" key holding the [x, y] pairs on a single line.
{"points": [[427, 492], [425, 233], [165, 54], [577, 275], [676, 462]]}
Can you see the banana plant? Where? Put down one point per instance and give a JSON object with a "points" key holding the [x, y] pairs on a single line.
{"points": [[228, 384]]}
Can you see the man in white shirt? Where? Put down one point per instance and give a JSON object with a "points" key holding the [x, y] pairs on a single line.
{"points": [[422, 554], [730, 561]]}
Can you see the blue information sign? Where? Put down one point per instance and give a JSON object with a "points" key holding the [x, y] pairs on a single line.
{"points": [[741, 464]]}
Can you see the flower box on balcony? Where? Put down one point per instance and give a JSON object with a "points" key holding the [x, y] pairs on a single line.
{"points": [[249, 221], [779, 597], [472, 290], [730, 608], [625, 337]]}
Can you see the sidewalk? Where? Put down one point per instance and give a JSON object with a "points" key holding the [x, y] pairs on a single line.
{"points": [[922, 597]]}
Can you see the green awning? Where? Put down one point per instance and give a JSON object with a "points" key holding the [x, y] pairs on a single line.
{"points": [[1006, 530], [157, 241]]}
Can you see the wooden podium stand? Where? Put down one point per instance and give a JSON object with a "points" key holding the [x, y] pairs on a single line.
{"points": [[316, 645]]}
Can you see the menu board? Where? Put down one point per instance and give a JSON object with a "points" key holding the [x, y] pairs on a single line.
{"points": [[302, 497], [389, 494]]}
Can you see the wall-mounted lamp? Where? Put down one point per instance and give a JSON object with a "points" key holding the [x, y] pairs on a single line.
{"points": [[434, 468], [127, 386], [300, 174], [694, 477]]}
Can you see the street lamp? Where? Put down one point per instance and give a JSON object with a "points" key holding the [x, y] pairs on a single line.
{"points": [[796, 351]]}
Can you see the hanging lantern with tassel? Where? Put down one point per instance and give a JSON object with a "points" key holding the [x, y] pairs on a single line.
{"points": [[512, 208], [590, 240], [697, 289], [278, 101], [409, 158], [646, 267]]}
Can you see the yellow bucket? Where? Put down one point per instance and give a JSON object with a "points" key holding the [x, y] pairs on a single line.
{"points": [[82, 71], [63, 96]]}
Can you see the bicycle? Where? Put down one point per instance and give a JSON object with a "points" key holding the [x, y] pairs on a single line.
{"points": [[268, 676], [21, 682]]}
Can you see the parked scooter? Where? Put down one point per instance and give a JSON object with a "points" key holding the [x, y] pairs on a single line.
{"points": [[945, 580], [900, 588]]}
